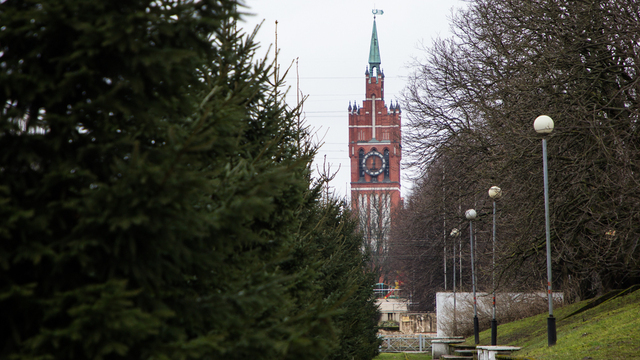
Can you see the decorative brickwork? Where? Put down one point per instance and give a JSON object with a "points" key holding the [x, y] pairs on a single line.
{"points": [[375, 151]]}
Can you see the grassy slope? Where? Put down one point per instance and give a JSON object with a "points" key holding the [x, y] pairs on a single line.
{"points": [[609, 330]]}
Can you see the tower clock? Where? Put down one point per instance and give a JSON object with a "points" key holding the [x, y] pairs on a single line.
{"points": [[369, 163]]}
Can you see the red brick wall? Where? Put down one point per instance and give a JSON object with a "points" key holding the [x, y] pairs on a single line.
{"points": [[388, 136]]}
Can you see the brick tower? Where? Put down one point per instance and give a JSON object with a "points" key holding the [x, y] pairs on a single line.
{"points": [[375, 153]]}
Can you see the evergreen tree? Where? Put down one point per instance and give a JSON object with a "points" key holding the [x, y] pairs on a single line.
{"points": [[152, 191], [341, 278], [347, 277]]}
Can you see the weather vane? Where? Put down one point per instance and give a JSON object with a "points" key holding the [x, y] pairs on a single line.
{"points": [[377, 12]]}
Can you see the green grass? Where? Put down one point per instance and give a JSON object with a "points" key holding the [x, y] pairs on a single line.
{"points": [[404, 356], [609, 330]]}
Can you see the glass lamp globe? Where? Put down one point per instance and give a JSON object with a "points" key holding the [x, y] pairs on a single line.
{"points": [[495, 192], [543, 124], [470, 214]]}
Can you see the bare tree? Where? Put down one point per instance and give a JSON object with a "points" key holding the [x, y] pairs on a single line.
{"points": [[470, 106], [374, 210]]}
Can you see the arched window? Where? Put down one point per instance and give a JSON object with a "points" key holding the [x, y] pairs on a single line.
{"points": [[360, 164], [374, 178]]}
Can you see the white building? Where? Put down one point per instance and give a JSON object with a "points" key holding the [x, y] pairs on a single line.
{"points": [[392, 309]]}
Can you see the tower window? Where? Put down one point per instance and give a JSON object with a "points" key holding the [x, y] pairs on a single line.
{"points": [[386, 158], [360, 165]]}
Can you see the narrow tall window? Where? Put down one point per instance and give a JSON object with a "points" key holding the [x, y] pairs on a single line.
{"points": [[361, 165], [386, 169]]}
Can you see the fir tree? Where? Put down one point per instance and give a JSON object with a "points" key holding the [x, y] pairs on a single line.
{"points": [[152, 190]]}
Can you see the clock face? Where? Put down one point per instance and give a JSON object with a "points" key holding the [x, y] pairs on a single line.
{"points": [[373, 163]]}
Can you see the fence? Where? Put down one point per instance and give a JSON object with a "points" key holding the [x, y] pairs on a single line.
{"points": [[403, 343]]}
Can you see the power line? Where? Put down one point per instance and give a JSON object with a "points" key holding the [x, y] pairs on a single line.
{"points": [[344, 77]]}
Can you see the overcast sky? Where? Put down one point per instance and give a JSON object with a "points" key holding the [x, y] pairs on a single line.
{"points": [[330, 39]]}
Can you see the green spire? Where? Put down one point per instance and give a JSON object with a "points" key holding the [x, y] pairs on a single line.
{"points": [[374, 50]]}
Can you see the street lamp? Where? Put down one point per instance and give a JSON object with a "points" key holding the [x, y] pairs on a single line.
{"points": [[471, 215], [455, 233], [544, 125], [495, 193]]}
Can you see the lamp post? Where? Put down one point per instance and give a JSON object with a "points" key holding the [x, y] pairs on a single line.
{"points": [[471, 215], [455, 233], [544, 125], [495, 193]]}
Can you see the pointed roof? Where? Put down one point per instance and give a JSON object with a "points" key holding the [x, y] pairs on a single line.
{"points": [[374, 50]]}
